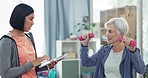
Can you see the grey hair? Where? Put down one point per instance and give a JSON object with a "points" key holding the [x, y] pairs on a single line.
{"points": [[120, 25]]}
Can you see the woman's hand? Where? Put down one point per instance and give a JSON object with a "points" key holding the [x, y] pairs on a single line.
{"points": [[127, 41], [38, 61], [52, 64], [86, 41]]}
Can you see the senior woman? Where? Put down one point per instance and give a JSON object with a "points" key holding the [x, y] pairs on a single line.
{"points": [[116, 59]]}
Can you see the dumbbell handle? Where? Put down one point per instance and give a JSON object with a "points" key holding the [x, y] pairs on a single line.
{"points": [[132, 42], [91, 35]]}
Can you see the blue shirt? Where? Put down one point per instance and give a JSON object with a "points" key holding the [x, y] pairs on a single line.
{"points": [[130, 61]]}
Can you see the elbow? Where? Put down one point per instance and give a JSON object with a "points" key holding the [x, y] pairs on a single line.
{"points": [[7, 75], [88, 63], [3, 76], [142, 70], [84, 64]]}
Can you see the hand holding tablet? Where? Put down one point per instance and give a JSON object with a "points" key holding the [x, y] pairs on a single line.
{"points": [[47, 62]]}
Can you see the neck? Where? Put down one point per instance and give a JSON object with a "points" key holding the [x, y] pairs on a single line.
{"points": [[17, 32], [118, 47]]}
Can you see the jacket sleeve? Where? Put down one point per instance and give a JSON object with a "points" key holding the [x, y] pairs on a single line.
{"points": [[7, 60], [137, 61], [89, 61]]}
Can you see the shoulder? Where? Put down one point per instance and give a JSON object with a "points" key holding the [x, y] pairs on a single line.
{"points": [[30, 36], [106, 46], [105, 49], [6, 40], [6, 37], [6, 44]]}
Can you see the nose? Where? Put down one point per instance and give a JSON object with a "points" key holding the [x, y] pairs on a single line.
{"points": [[107, 33], [32, 23]]}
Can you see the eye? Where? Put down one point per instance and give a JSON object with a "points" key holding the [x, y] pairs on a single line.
{"points": [[31, 19], [109, 31]]}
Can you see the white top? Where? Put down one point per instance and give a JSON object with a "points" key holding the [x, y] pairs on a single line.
{"points": [[112, 65]]}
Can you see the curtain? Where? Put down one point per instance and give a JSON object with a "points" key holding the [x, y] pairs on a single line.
{"points": [[60, 18], [145, 30]]}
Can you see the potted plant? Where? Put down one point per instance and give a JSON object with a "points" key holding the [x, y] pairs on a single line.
{"points": [[82, 28]]}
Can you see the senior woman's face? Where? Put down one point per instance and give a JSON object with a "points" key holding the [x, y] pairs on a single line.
{"points": [[111, 34], [28, 22]]}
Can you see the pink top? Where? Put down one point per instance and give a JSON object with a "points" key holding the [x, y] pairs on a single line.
{"points": [[26, 54]]}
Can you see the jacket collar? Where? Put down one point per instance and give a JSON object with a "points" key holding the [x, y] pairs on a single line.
{"points": [[106, 49], [124, 53]]}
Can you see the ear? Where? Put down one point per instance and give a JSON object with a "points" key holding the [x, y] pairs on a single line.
{"points": [[122, 34], [120, 38]]}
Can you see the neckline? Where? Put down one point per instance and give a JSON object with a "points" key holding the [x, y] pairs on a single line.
{"points": [[13, 35], [119, 52]]}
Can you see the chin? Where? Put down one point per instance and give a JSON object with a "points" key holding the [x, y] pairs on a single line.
{"points": [[26, 30], [108, 42]]}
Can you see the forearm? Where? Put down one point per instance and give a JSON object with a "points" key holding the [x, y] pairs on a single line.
{"points": [[11, 72], [138, 62], [87, 61], [84, 55]]}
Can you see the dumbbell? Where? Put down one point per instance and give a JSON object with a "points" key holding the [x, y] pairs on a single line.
{"points": [[132, 42], [91, 35]]}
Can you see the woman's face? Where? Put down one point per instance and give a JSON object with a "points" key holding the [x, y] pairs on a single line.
{"points": [[111, 34], [28, 22]]}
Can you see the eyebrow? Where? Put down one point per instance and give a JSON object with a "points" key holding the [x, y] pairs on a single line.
{"points": [[31, 17], [109, 30]]}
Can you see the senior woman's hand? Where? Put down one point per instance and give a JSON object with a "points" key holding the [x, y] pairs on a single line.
{"points": [[86, 41], [127, 41]]}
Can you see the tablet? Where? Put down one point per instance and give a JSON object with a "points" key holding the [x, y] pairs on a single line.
{"points": [[47, 62]]}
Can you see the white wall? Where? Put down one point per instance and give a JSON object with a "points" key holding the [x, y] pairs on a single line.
{"points": [[6, 7]]}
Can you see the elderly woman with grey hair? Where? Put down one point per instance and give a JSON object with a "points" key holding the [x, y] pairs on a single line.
{"points": [[117, 59]]}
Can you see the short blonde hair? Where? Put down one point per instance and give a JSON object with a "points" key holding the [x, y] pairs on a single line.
{"points": [[120, 25]]}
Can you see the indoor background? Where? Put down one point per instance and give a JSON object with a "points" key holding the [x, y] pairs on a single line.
{"points": [[57, 20]]}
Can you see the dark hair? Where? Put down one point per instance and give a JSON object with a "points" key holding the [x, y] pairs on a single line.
{"points": [[18, 16]]}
